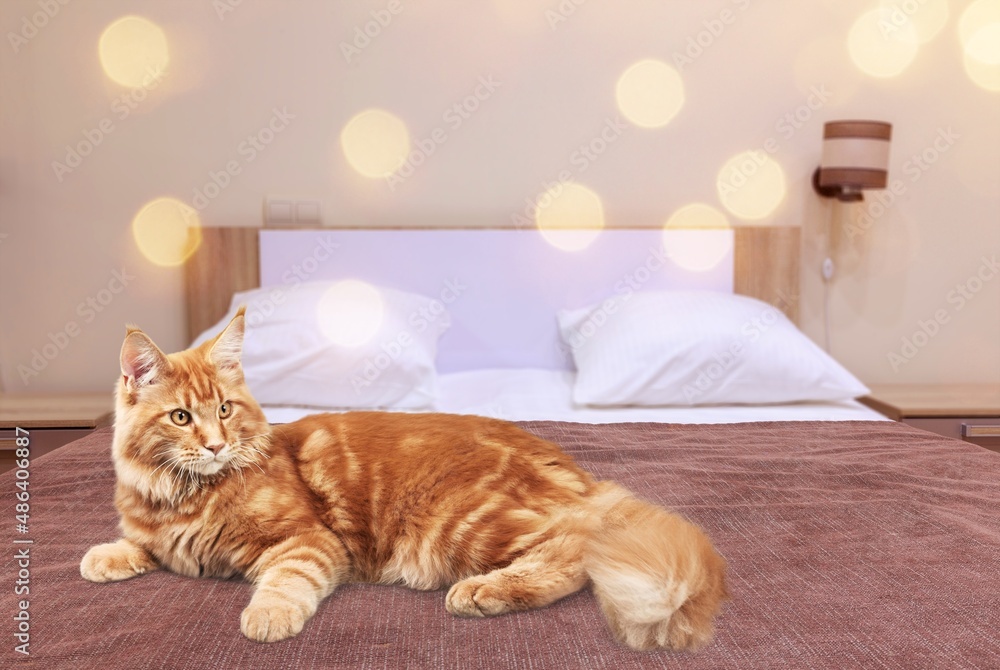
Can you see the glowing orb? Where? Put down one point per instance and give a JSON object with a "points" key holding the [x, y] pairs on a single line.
{"points": [[650, 93], [350, 313], [167, 231], [697, 237], [569, 216], [133, 51], [751, 185], [880, 45], [375, 143]]}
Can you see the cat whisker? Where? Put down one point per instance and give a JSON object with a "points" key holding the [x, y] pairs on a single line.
{"points": [[255, 449], [170, 461], [242, 460], [171, 472]]}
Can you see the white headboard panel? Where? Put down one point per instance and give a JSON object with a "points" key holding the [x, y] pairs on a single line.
{"points": [[502, 287]]}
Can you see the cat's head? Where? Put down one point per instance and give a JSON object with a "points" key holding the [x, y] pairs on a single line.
{"points": [[188, 417]]}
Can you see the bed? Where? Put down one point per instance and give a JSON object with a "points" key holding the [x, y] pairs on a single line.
{"points": [[852, 541]]}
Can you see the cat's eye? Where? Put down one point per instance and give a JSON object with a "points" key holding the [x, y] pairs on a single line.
{"points": [[180, 417], [225, 409]]}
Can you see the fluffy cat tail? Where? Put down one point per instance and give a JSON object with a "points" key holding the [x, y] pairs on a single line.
{"points": [[657, 576]]}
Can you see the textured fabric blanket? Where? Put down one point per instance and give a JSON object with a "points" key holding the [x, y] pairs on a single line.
{"points": [[850, 545]]}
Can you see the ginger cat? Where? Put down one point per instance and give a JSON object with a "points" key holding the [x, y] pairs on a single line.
{"points": [[205, 487]]}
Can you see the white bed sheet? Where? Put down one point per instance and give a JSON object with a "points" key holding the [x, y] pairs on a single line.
{"points": [[546, 395]]}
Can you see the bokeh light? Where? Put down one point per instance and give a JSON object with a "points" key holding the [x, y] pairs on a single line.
{"points": [[350, 313], [375, 143], [984, 44], [133, 51], [697, 237], [751, 185], [650, 93], [167, 231], [927, 17], [569, 216], [880, 44], [979, 31], [977, 16], [982, 75]]}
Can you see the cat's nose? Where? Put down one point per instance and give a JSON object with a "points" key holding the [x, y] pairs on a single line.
{"points": [[215, 448]]}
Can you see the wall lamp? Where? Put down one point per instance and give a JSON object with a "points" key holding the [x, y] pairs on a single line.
{"points": [[855, 157]]}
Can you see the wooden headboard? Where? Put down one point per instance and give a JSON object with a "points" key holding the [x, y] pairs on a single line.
{"points": [[766, 267]]}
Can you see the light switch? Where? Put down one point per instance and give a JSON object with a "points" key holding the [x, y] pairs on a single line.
{"points": [[291, 212], [307, 211], [278, 212]]}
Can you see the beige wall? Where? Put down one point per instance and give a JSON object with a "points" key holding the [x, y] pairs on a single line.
{"points": [[63, 241]]}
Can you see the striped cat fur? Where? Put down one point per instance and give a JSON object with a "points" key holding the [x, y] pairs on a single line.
{"points": [[206, 488]]}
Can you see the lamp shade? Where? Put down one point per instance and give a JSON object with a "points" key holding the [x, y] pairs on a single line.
{"points": [[855, 157]]}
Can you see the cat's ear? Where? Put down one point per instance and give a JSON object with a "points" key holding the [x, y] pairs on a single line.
{"points": [[142, 361], [228, 345]]}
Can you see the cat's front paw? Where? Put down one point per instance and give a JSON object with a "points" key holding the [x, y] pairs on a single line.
{"points": [[475, 596], [273, 621], [115, 562]]}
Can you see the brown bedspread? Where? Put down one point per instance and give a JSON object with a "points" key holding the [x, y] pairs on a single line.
{"points": [[850, 545]]}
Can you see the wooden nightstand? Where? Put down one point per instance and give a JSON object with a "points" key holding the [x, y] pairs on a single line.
{"points": [[969, 412], [51, 420]]}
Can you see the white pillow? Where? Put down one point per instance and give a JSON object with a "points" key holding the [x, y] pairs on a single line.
{"points": [[289, 357], [696, 348]]}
